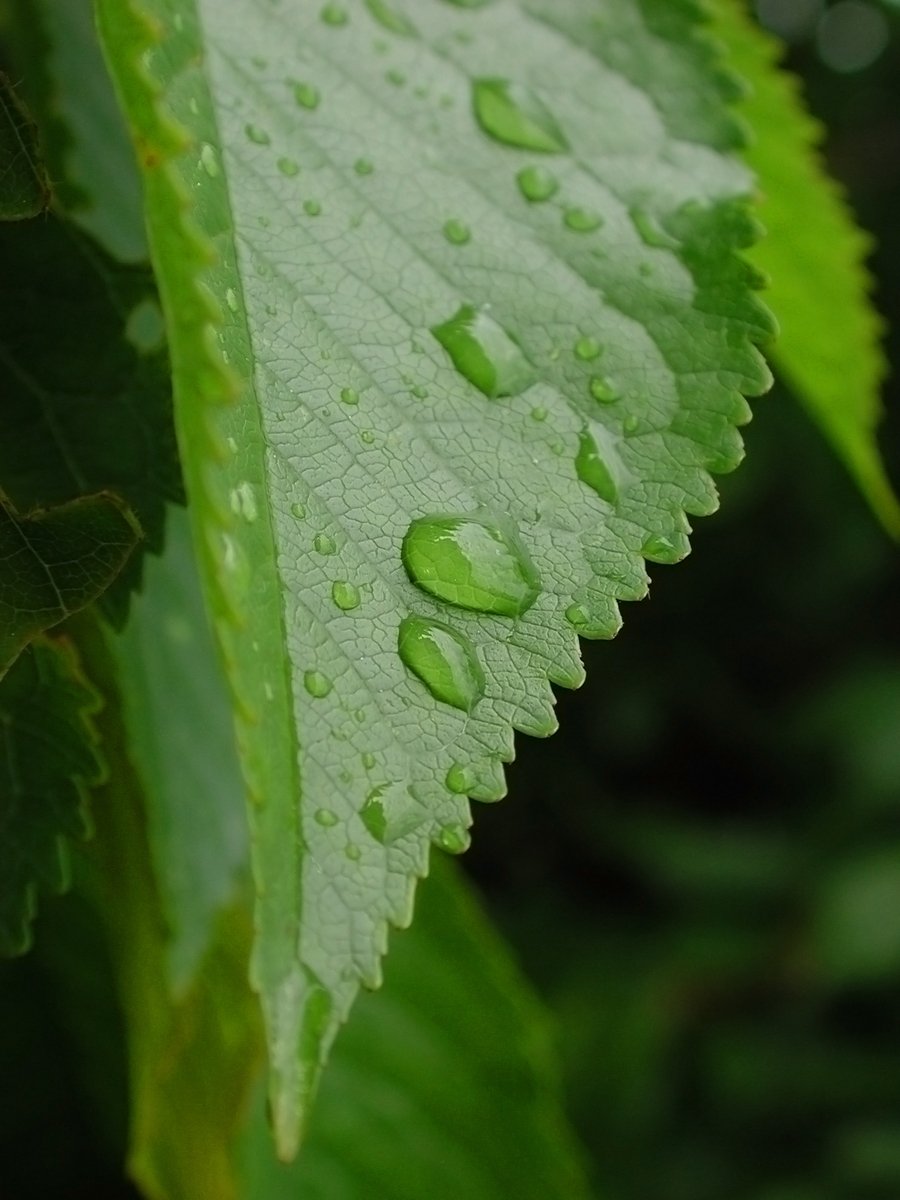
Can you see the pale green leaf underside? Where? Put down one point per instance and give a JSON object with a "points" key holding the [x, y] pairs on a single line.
{"points": [[829, 346], [302, 241]]}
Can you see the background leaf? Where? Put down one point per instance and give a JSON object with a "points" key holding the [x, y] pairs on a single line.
{"points": [[343, 256], [24, 187]]}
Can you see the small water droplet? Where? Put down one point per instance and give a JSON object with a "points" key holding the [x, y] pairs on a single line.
{"points": [[602, 390], [306, 95], [419, 391], [349, 396], [353, 852], [592, 470], [363, 166], [397, 78], [460, 779], [312, 208], [537, 184], [651, 231], [209, 160], [456, 232], [484, 353], [587, 349], [243, 501], [367, 436], [582, 220], [391, 18], [257, 134], [539, 414], [661, 549], [631, 424], [514, 115], [317, 684], [231, 299], [443, 659], [345, 595], [334, 14], [470, 564], [454, 839], [325, 817], [288, 167], [324, 544], [368, 760], [298, 509]]}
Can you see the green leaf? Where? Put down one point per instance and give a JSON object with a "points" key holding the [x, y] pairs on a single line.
{"points": [[24, 187], [172, 689], [48, 759], [57, 561], [443, 1084], [372, 324], [79, 332], [829, 349], [57, 58]]}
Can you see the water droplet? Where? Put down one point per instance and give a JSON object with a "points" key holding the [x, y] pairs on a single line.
{"points": [[661, 549], [257, 134], [307, 95], [317, 684], [324, 544], [349, 395], [454, 839], [353, 852], [602, 390], [325, 817], [470, 564], [397, 78], [312, 208], [444, 660], [367, 436], [243, 501], [345, 595], [298, 509], [592, 470], [334, 14], [390, 18], [537, 184], [456, 232], [288, 167], [460, 779], [484, 353], [368, 760], [631, 424], [514, 115], [578, 616], [469, 3], [539, 414], [363, 166], [419, 391], [390, 811], [209, 160], [231, 299], [651, 231], [587, 349], [582, 220]]}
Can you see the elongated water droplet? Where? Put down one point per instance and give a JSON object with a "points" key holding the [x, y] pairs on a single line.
{"points": [[298, 509], [368, 760], [345, 595], [363, 166], [602, 390], [353, 852], [324, 543], [307, 95], [391, 18], [334, 14], [257, 134], [592, 470], [209, 160], [288, 167], [514, 115], [243, 501], [470, 564], [312, 208], [587, 349], [419, 391], [456, 232], [349, 395], [317, 684], [651, 231], [443, 659], [661, 549], [325, 817], [582, 220], [391, 811], [231, 299], [484, 353], [454, 839], [460, 778], [631, 424], [537, 184]]}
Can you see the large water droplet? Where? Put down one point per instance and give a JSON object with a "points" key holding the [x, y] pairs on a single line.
{"points": [[391, 811], [444, 660], [454, 839], [257, 134], [593, 470], [537, 184], [390, 18], [317, 684], [307, 95], [484, 353], [456, 232], [345, 595], [661, 549], [483, 782], [470, 564], [513, 114]]}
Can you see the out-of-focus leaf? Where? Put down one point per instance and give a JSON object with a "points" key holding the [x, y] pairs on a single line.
{"points": [[24, 187], [856, 926]]}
